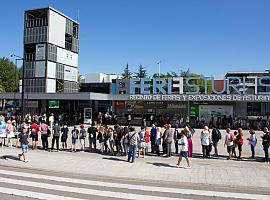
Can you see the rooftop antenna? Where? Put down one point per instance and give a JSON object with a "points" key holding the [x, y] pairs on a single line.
{"points": [[78, 17]]}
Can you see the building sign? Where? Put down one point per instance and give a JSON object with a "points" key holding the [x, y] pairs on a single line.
{"points": [[40, 51], [165, 86], [201, 97]]}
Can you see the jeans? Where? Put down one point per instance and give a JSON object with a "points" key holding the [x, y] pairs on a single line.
{"points": [[252, 151], [176, 147], [132, 152], [55, 138], [169, 149], [44, 139], [266, 153]]}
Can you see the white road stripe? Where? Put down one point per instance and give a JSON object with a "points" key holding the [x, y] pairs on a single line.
{"points": [[84, 190], [141, 187], [36, 195]]}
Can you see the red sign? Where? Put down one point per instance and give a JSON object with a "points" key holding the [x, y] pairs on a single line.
{"points": [[120, 104]]}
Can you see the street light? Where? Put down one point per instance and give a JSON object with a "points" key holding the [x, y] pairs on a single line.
{"points": [[22, 100]]}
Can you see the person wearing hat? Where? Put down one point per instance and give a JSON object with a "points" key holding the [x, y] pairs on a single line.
{"points": [[184, 151], [23, 139]]}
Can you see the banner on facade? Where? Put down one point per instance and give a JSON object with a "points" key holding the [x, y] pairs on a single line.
{"points": [[201, 97]]}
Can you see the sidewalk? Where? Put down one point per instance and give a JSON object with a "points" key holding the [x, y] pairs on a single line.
{"points": [[204, 171]]}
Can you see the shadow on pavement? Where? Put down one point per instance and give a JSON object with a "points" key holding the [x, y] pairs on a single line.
{"points": [[11, 157], [114, 159], [161, 164]]}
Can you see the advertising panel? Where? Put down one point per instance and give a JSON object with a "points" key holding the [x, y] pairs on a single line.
{"points": [[88, 115], [67, 57], [53, 104], [40, 51], [70, 74], [206, 111]]}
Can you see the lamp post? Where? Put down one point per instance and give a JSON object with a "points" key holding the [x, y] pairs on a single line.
{"points": [[22, 99], [159, 62]]}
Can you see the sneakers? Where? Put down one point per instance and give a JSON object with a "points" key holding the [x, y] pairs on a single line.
{"points": [[188, 167], [177, 166], [26, 161]]}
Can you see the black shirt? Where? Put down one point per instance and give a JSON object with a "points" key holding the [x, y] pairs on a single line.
{"points": [[92, 132], [266, 139], [23, 138]]}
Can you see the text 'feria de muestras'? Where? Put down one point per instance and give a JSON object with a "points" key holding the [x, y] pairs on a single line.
{"points": [[200, 97]]}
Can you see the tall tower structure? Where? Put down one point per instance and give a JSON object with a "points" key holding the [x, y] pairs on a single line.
{"points": [[51, 50]]}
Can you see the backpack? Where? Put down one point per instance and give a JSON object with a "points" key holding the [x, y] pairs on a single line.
{"points": [[231, 137]]}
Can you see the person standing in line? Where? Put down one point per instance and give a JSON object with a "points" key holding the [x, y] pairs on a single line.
{"points": [[188, 131], [153, 135], [184, 151], [239, 141], [205, 141], [101, 138], [234, 146], [35, 129], [125, 140], [168, 140], [23, 139], [51, 120], [266, 143], [147, 140], [229, 142], [141, 142], [158, 141], [216, 136], [164, 144], [10, 133], [74, 138], [64, 136], [82, 136], [111, 140], [176, 137], [56, 135], [92, 131], [133, 138], [3, 130], [44, 135], [252, 140]]}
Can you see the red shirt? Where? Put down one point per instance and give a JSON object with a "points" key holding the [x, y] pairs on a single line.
{"points": [[34, 127], [147, 136]]}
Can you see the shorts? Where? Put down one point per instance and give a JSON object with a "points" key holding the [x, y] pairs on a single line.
{"points": [[63, 139], [229, 149], [141, 145], [215, 144], [34, 139], [92, 141], [74, 140], [184, 154], [24, 148], [111, 142], [240, 147]]}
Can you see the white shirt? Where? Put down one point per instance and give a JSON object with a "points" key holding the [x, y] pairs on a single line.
{"points": [[252, 140], [205, 138], [229, 142], [184, 141]]}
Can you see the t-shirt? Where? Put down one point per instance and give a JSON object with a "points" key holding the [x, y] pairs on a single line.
{"points": [[133, 138], [64, 131], [205, 138], [34, 127], [56, 130], [23, 138], [44, 128], [147, 136], [92, 132], [184, 141], [228, 140]]}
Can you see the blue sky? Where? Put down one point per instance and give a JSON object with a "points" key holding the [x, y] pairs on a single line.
{"points": [[209, 37]]}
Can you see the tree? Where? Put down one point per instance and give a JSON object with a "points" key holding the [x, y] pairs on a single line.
{"points": [[141, 72], [9, 76], [127, 73]]}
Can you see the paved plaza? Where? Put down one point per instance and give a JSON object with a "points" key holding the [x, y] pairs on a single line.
{"points": [[218, 172]]}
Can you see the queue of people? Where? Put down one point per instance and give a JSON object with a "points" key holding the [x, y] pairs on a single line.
{"points": [[126, 141]]}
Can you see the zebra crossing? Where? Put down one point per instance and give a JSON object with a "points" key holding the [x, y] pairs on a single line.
{"points": [[48, 187]]}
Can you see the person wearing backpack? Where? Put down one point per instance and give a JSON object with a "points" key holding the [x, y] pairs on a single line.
{"points": [[216, 136], [229, 142], [133, 139], [74, 138], [82, 136]]}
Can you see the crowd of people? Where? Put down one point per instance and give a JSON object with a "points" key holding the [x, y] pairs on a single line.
{"points": [[124, 141]]}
